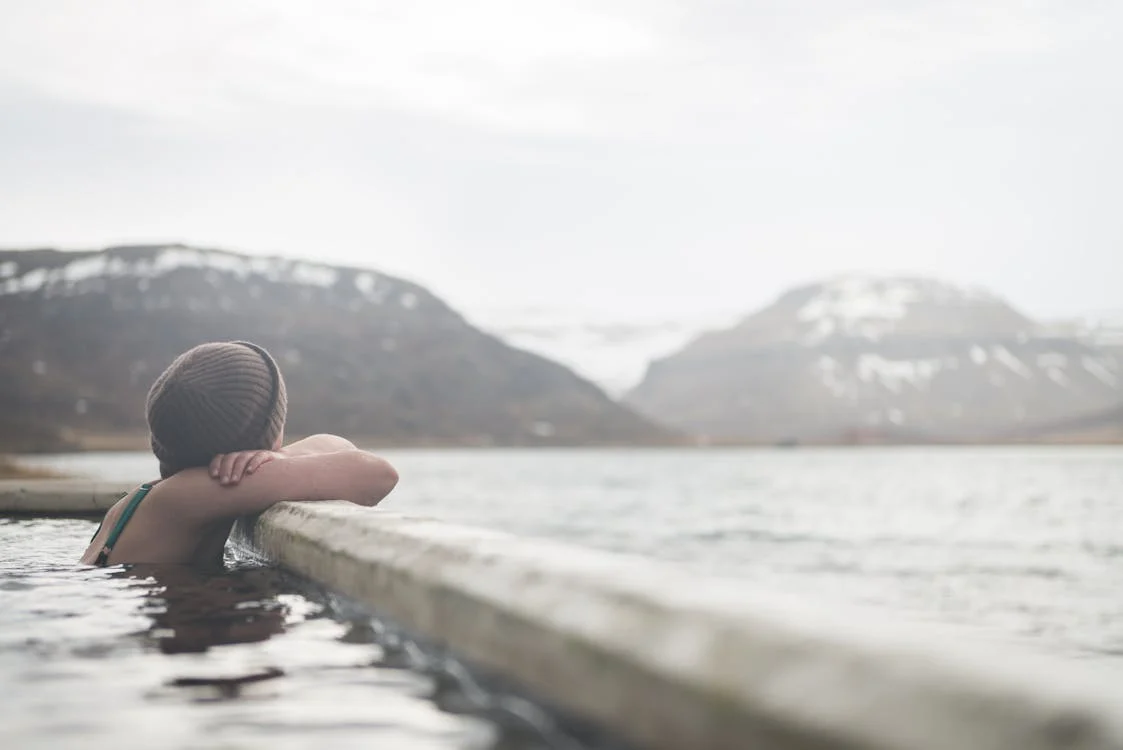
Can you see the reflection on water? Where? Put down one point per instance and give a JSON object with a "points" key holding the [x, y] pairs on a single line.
{"points": [[168, 656], [192, 610]]}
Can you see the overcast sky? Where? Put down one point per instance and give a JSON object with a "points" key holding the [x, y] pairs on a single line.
{"points": [[633, 157]]}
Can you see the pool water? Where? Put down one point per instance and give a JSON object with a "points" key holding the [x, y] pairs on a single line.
{"points": [[169, 657], [1023, 542]]}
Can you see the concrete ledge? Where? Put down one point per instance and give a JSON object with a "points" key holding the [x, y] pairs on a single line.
{"points": [[673, 661], [59, 496]]}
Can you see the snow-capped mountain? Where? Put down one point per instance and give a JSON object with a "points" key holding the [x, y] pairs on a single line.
{"points": [[82, 335], [880, 358]]}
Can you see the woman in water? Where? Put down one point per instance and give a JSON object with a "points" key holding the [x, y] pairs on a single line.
{"points": [[216, 418]]}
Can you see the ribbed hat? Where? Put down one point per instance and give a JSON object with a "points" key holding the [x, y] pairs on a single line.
{"points": [[215, 398]]}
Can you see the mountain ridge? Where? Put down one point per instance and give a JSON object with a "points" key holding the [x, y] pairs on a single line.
{"points": [[881, 359], [83, 333]]}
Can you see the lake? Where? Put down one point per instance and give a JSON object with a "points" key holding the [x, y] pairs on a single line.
{"points": [[1024, 542]]}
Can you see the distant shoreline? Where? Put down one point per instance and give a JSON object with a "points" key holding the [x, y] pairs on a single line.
{"points": [[131, 442], [11, 466], [12, 469]]}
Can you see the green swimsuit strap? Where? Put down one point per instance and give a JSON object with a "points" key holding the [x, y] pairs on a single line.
{"points": [[102, 521], [126, 516]]}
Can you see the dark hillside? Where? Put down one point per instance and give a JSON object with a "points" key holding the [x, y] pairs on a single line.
{"points": [[82, 336]]}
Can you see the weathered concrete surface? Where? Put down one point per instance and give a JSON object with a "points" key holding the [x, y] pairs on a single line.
{"points": [[670, 660], [63, 496]]}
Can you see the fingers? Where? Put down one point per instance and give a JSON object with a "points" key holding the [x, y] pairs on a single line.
{"points": [[230, 468], [259, 459], [226, 468], [216, 466], [238, 468]]}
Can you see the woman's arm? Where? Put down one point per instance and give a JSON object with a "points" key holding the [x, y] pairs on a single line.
{"points": [[229, 468], [353, 475]]}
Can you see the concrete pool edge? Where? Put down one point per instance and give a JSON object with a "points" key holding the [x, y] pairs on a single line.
{"points": [[59, 496], [670, 660]]}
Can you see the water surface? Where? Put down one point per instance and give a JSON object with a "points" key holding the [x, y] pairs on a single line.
{"points": [[1023, 542], [169, 657]]}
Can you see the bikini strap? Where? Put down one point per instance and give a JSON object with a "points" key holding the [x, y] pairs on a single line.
{"points": [[126, 516], [102, 521]]}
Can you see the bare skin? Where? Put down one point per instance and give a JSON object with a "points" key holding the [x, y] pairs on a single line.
{"points": [[187, 517]]}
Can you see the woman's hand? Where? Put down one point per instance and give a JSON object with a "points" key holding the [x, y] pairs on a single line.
{"points": [[230, 468]]}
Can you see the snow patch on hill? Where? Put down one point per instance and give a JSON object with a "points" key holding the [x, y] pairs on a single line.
{"points": [[1103, 329], [871, 374], [857, 307], [88, 273], [871, 307]]}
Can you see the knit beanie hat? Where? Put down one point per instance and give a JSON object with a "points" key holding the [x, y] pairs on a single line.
{"points": [[215, 398]]}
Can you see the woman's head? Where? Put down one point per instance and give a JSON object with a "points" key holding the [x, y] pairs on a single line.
{"points": [[215, 398]]}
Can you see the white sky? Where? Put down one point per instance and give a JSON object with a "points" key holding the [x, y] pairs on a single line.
{"points": [[632, 157]]}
